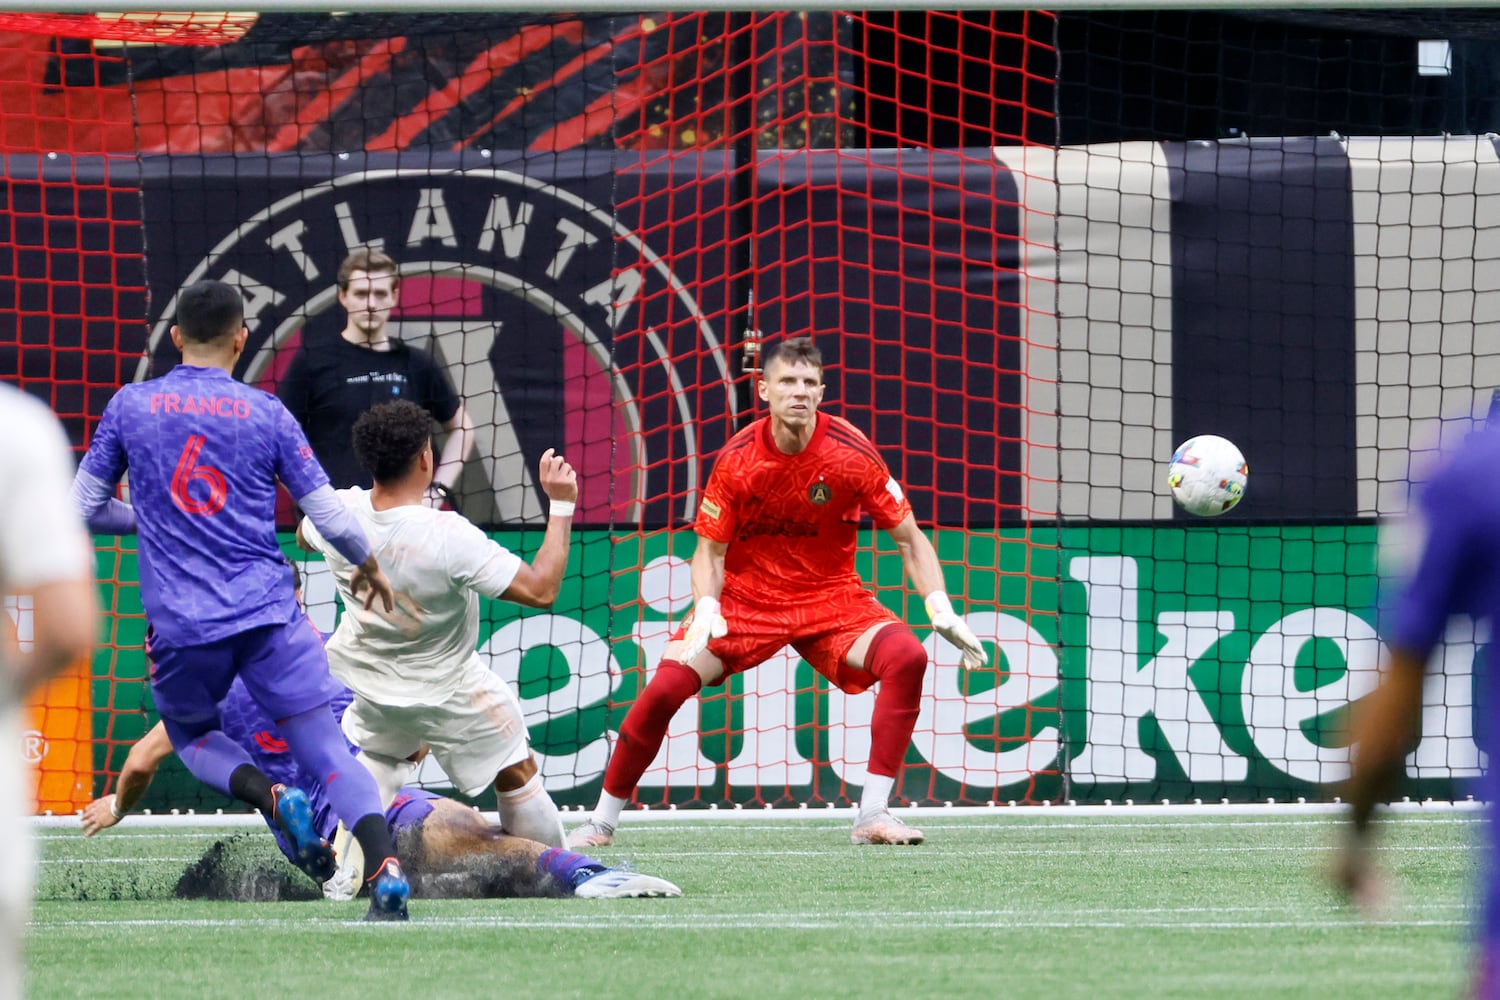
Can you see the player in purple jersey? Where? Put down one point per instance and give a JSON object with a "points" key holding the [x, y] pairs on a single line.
{"points": [[1457, 572], [204, 453], [449, 849]]}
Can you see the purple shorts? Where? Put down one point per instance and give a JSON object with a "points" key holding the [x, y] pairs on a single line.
{"points": [[283, 667], [409, 808]]}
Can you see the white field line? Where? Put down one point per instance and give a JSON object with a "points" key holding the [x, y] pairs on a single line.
{"points": [[1106, 816], [997, 921], [117, 861], [945, 856], [167, 830]]}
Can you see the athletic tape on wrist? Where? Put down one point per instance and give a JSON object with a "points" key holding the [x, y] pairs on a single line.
{"points": [[114, 808], [561, 508], [938, 603]]}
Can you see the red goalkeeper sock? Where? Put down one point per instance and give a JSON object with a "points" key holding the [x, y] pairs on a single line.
{"points": [[899, 662], [646, 725]]}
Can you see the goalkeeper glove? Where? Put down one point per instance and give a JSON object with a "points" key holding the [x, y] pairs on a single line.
{"points": [[707, 624], [953, 628]]}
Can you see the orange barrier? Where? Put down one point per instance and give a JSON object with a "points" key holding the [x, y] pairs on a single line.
{"points": [[57, 740]]}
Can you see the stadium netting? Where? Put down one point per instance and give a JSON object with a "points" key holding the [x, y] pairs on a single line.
{"points": [[1036, 249]]}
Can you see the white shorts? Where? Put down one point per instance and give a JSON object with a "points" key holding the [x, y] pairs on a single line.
{"points": [[475, 734]]}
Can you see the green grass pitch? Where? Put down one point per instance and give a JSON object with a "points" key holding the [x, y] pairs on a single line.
{"points": [[1047, 904]]}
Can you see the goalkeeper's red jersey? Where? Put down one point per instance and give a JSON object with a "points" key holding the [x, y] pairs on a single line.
{"points": [[790, 521]]}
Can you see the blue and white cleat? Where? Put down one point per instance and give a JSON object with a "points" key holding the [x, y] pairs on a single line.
{"points": [[616, 883], [292, 812], [389, 892]]}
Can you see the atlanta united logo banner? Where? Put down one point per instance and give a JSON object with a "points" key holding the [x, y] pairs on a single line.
{"points": [[1269, 291], [524, 283], [576, 305]]}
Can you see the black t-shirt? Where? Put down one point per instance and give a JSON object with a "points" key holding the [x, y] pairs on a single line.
{"points": [[331, 382]]}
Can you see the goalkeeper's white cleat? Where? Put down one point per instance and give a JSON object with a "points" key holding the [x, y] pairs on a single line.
{"points": [[615, 883], [883, 828], [591, 834]]}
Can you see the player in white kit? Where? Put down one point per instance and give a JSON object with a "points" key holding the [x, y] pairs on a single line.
{"points": [[46, 555], [416, 678]]}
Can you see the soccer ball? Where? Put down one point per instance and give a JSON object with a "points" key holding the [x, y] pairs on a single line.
{"points": [[1207, 475]]}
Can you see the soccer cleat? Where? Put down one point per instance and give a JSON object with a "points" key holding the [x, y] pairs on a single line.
{"points": [[342, 887], [883, 828], [292, 812], [591, 834], [389, 892], [616, 883]]}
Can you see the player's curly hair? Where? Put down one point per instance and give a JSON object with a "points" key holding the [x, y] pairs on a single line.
{"points": [[792, 351], [389, 437]]}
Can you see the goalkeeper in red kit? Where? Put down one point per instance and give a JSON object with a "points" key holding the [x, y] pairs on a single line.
{"points": [[775, 566]]}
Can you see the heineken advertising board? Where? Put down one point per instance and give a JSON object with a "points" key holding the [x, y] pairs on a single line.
{"points": [[1146, 662]]}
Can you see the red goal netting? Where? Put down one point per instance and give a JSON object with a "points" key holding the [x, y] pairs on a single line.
{"points": [[599, 219]]}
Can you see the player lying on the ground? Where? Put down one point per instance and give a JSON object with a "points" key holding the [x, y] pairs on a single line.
{"points": [[416, 678], [448, 849]]}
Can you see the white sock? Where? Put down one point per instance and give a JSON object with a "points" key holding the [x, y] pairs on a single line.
{"points": [[607, 812], [530, 812], [876, 796], [351, 858], [389, 773]]}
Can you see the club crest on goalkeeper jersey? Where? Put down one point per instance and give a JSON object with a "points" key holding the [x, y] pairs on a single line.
{"points": [[791, 521], [204, 454]]}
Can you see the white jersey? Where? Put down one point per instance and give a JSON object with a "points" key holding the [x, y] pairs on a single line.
{"points": [[42, 541], [438, 564], [41, 537]]}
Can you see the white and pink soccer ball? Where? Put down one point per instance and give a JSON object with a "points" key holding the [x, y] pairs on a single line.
{"points": [[1207, 475]]}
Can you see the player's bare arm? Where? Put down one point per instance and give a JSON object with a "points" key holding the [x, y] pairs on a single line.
{"points": [[926, 574], [707, 622], [537, 584], [457, 447], [140, 767], [366, 574], [1383, 731]]}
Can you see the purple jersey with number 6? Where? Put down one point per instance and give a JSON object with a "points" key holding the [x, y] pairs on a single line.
{"points": [[204, 453]]}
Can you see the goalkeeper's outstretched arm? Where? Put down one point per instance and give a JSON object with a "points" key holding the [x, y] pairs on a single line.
{"points": [[926, 575]]}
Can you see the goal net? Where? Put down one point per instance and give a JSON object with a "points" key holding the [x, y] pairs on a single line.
{"points": [[1036, 250]]}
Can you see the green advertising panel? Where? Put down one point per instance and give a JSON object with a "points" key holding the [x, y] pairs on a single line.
{"points": [[1146, 662]]}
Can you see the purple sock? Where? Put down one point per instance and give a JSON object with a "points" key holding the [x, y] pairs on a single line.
{"points": [[567, 867], [319, 748], [211, 757]]}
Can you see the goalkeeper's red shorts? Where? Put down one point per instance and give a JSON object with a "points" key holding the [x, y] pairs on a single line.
{"points": [[821, 627]]}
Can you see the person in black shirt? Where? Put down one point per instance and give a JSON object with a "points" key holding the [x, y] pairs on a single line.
{"points": [[335, 379]]}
